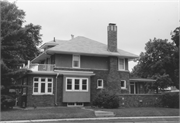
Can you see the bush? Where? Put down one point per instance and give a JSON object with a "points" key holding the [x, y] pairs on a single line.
{"points": [[106, 99], [170, 99], [7, 102]]}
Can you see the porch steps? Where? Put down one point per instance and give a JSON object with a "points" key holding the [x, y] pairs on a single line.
{"points": [[104, 114]]}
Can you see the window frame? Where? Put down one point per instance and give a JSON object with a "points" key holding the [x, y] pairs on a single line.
{"points": [[39, 82], [100, 87], [123, 63], [73, 59], [124, 84], [80, 84]]}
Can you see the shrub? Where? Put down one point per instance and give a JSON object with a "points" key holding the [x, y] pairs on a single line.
{"points": [[7, 102], [170, 99], [106, 99]]}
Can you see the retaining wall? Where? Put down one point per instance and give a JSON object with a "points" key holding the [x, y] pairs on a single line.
{"points": [[140, 100]]}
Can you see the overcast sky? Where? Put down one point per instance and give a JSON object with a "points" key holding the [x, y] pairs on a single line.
{"points": [[137, 21]]}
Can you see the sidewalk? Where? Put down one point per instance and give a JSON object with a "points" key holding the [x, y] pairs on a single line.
{"points": [[161, 119]]}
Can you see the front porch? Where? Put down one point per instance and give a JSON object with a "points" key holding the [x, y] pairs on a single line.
{"points": [[139, 86]]}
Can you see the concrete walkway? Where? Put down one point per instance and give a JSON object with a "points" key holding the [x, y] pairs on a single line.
{"points": [[104, 114], [171, 119]]}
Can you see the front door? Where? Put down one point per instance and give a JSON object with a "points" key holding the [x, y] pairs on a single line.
{"points": [[132, 88]]}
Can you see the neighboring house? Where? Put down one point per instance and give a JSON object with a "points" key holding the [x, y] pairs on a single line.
{"points": [[71, 72]]}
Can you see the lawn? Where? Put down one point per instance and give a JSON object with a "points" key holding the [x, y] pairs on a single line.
{"points": [[144, 111], [65, 112], [49, 113]]}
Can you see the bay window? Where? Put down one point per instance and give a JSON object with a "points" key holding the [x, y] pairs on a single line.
{"points": [[76, 84]]}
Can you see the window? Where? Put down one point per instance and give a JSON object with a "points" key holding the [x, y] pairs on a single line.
{"points": [[100, 83], [84, 84], [123, 84], [69, 84], [76, 84], [121, 64], [42, 85], [76, 61]]}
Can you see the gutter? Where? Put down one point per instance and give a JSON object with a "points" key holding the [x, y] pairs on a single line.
{"points": [[55, 98]]}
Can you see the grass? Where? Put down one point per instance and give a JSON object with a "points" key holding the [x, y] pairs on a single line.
{"points": [[49, 113], [144, 111], [65, 112]]}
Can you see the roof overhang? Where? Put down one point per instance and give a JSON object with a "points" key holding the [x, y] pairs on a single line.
{"points": [[93, 54], [41, 57], [76, 73], [141, 80], [45, 45], [43, 72]]}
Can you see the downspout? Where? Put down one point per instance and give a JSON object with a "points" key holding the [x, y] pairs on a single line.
{"points": [[56, 90]]}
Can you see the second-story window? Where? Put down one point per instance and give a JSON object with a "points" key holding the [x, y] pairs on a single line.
{"points": [[121, 64], [76, 61]]}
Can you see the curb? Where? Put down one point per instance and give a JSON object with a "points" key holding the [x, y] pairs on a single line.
{"points": [[90, 119]]}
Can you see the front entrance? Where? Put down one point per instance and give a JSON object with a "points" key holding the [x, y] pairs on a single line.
{"points": [[132, 88]]}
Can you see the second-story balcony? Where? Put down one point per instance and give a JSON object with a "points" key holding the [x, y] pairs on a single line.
{"points": [[41, 67]]}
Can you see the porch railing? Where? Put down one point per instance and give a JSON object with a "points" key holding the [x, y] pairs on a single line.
{"points": [[41, 67]]}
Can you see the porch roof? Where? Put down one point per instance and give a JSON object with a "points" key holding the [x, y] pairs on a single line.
{"points": [[77, 73], [141, 80]]}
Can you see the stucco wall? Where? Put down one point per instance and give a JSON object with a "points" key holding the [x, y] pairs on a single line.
{"points": [[63, 60], [76, 96], [89, 62], [94, 62]]}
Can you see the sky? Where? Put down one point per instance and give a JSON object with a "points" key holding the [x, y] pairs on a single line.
{"points": [[137, 21]]}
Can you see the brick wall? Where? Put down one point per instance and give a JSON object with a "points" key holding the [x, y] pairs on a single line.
{"points": [[140, 100], [112, 38], [39, 100], [113, 75]]}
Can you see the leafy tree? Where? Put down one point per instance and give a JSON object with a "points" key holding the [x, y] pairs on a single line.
{"points": [[175, 38], [158, 62], [18, 43]]}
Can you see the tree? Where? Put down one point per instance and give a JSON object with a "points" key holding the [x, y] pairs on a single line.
{"points": [[175, 38], [18, 43], [158, 62]]}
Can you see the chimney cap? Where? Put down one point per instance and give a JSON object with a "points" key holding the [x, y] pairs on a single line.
{"points": [[72, 36], [112, 24]]}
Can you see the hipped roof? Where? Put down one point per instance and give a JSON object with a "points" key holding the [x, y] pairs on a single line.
{"points": [[83, 46]]}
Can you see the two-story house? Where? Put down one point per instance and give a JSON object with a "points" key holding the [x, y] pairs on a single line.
{"points": [[71, 72]]}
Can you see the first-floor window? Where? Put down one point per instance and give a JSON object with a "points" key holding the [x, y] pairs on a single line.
{"points": [[100, 83], [76, 84], [123, 84], [42, 85], [69, 84], [84, 84]]}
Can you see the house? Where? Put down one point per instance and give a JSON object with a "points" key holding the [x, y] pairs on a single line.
{"points": [[72, 72]]}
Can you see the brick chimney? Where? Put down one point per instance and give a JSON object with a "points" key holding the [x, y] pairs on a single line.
{"points": [[112, 37]]}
